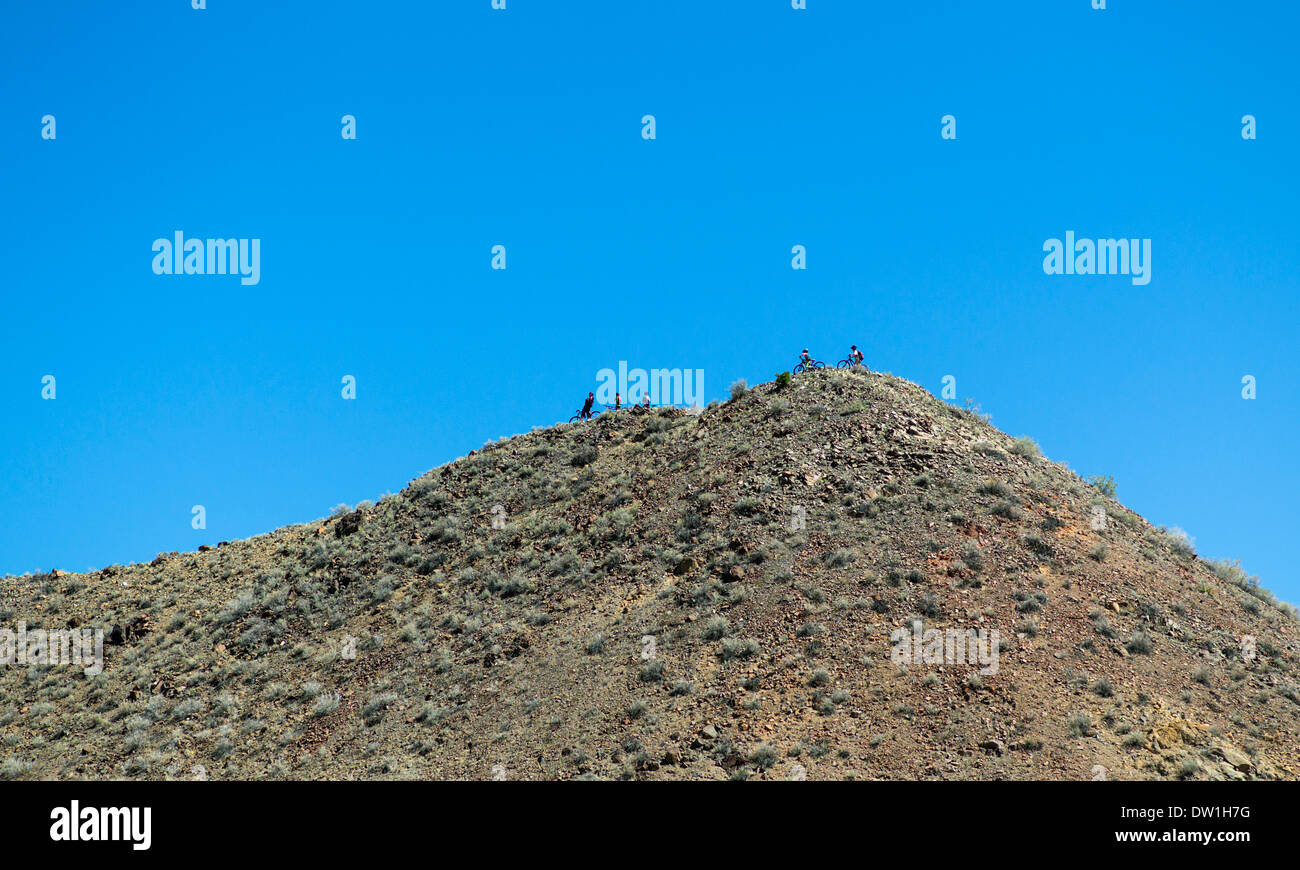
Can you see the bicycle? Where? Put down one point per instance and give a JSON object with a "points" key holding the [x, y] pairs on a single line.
{"points": [[811, 365], [594, 412], [850, 363]]}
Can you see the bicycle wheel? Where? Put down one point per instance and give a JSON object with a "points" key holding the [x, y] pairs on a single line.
{"points": [[842, 364], [575, 418], [819, 365], [799, 369]]}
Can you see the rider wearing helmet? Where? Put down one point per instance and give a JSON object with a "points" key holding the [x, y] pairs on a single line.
{"points": [[855, 355], [586, 406], [805, 358]]}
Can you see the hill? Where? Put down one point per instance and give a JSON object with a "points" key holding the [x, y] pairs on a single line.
{"points": [[671, 595]]}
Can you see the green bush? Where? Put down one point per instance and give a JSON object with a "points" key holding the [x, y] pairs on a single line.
{"points": [[764, 756], [1139, 643], [734, 648], [1104, 484], [1007, 510], [325, 704], [652, 672], [838, 558], [583, 457], [375, 708], [1179, 541], [716, 628], [1025, 446]]}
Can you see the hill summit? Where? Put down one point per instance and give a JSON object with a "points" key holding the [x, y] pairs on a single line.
{"points": [[836, 578]]}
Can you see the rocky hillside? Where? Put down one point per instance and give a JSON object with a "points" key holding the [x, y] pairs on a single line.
{"points": [[667, 595]]}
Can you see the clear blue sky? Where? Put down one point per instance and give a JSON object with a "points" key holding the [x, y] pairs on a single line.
{"points": [[523, 128]]}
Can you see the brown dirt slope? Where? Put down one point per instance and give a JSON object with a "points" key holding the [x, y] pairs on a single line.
{"points": [[679, 596]]}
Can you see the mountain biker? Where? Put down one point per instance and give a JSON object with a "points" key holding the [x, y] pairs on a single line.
{"points": [[618, 401], [855, 356], [586, 406], [645, 401], [805, 358]]}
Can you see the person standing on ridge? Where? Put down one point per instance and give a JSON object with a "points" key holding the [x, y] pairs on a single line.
{"points": [[855, 355], [586, 406], [618, 401]]}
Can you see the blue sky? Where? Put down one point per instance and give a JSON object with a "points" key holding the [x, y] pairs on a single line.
{"points": [[522, 128]]}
